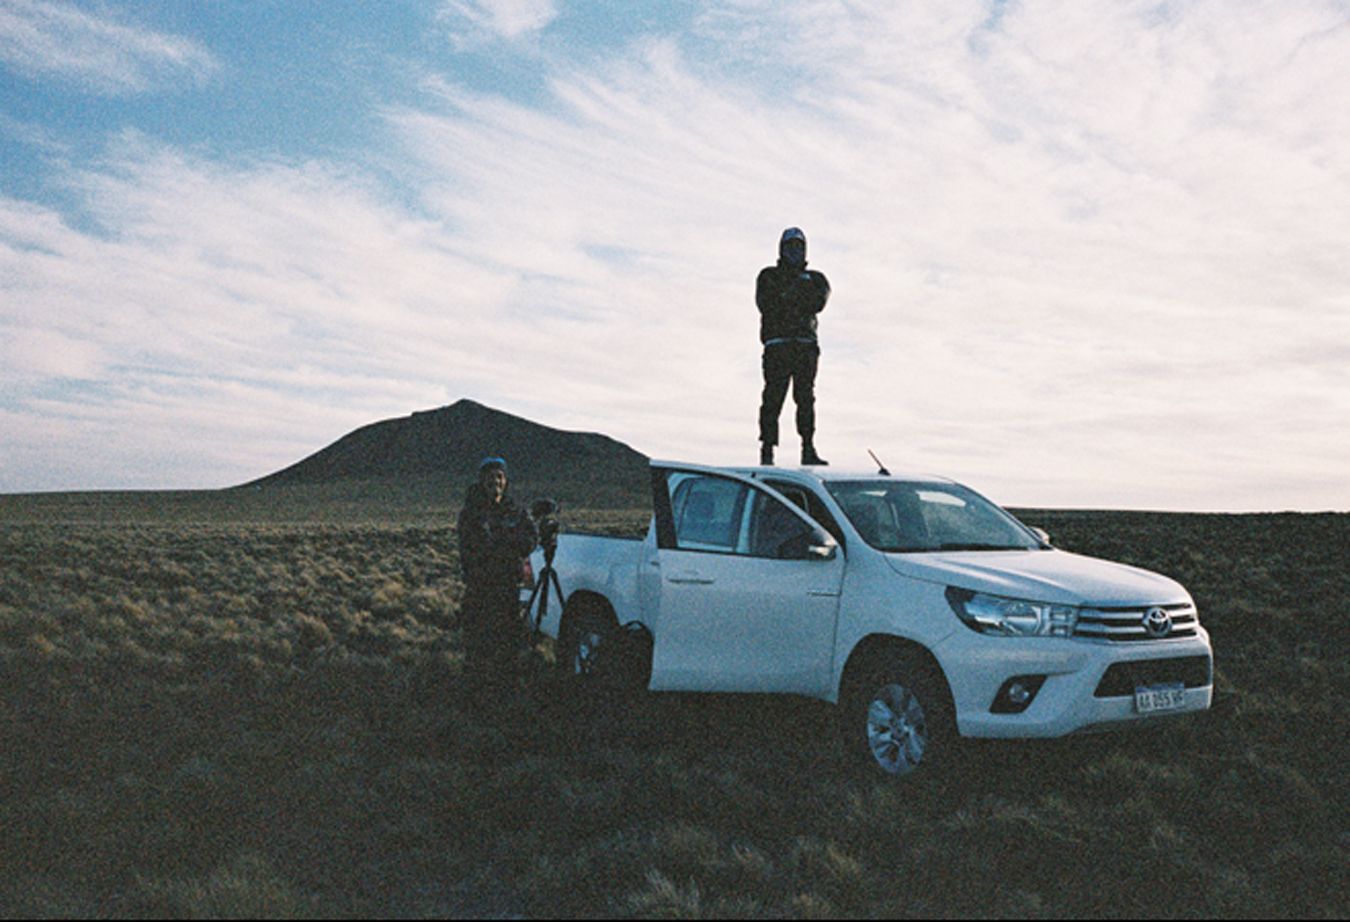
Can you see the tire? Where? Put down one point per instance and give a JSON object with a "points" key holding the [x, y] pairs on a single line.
{"points": [[897, 716], [588, 632], [596, 653]]}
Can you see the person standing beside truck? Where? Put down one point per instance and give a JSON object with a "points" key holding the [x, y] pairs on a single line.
{"points": [[789, 297], [495, 536]]}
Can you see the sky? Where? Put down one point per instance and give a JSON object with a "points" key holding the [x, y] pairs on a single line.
{"points": [[1084, 254]]}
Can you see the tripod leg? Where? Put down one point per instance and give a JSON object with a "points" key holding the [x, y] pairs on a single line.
{"points": [[548, 577], [539, 588]]}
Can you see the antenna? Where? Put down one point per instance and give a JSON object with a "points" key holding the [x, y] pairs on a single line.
{"points": [[881, 468]]}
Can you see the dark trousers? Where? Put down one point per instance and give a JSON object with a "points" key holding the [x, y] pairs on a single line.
{"points": [[493, 632], [784, 363]]}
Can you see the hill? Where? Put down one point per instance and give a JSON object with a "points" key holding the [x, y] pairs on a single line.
{"points": [[439, 450], [411, 470]]}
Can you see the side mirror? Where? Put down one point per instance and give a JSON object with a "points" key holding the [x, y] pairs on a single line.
{"points": [[810, 545], [1042, 534], [825, 551]]}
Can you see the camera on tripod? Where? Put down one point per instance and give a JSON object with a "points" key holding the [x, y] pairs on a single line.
{"points": [[545, 514]]}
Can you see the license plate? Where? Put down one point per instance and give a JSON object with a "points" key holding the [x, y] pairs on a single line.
{"points": [[1155, 698]]}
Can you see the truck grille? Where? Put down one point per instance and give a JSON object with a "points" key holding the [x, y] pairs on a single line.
{"points": [[1121, 679], [1129, 624]]}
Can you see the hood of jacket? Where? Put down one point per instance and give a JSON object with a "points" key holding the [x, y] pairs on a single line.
{"points": [[792, 240]]}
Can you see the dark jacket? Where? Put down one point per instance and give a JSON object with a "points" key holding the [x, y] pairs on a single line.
{"points": [[789, 298], [493, 540]]}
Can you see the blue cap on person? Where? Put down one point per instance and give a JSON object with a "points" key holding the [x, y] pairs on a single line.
{"points": [[492, 464]]}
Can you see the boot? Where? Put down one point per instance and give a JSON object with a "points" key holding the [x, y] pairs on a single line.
{"points": [[809, 455], [766, 454]]}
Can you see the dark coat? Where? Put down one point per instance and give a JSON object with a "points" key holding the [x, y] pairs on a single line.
{"points": [[789, 298], [493, 540]]}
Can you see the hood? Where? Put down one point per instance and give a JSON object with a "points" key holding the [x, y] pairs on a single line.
{"points": [[1043, 576]]}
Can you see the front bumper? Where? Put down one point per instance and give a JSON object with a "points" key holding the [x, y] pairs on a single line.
{"points": [[1088, 685]]}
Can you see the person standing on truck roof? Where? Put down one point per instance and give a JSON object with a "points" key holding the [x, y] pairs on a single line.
{"points": [[495, 536], [789, 297]]}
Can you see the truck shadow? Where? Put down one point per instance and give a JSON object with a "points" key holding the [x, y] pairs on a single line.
{"points": [[784, 738]]}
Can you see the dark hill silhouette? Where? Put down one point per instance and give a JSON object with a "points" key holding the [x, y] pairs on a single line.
{"points": [[444, 447]]}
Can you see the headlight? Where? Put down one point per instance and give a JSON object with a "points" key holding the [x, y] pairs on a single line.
{"points": [[992, 614]]}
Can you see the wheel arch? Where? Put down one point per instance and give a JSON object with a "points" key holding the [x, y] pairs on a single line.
{"points": [[586, 600], [877, 648]]}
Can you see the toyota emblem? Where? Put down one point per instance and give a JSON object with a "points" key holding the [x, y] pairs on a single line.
{"points": [[1157, 623]]}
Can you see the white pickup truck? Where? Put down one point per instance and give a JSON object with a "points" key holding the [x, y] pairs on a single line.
{"points": [[919, 607]]}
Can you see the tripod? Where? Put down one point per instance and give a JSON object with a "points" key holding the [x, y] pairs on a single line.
{"points": [[547, 577]]}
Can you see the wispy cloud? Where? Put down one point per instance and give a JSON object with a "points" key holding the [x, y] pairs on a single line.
{"points": [[97, 52], [508, 19]]}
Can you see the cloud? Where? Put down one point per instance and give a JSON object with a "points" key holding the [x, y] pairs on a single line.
{"points": [[49, 39], [224, 291], [506, 19]]}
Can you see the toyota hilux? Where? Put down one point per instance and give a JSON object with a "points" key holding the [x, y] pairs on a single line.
{"points": [[923, 610]]}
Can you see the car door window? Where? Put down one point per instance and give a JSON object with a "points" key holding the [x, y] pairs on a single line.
{"points": [[774, 528], [708, 513], [807, 501]]}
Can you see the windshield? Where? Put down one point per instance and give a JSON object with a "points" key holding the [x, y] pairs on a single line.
{"points": [[901, 516]]}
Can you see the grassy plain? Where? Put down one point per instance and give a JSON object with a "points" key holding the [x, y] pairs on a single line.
{"points": [[249, 704]]}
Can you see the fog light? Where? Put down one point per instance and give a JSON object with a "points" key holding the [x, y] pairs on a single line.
{"points": [[1016, 694]]}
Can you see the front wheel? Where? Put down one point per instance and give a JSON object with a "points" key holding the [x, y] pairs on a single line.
{"points": [[897, 716]]}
